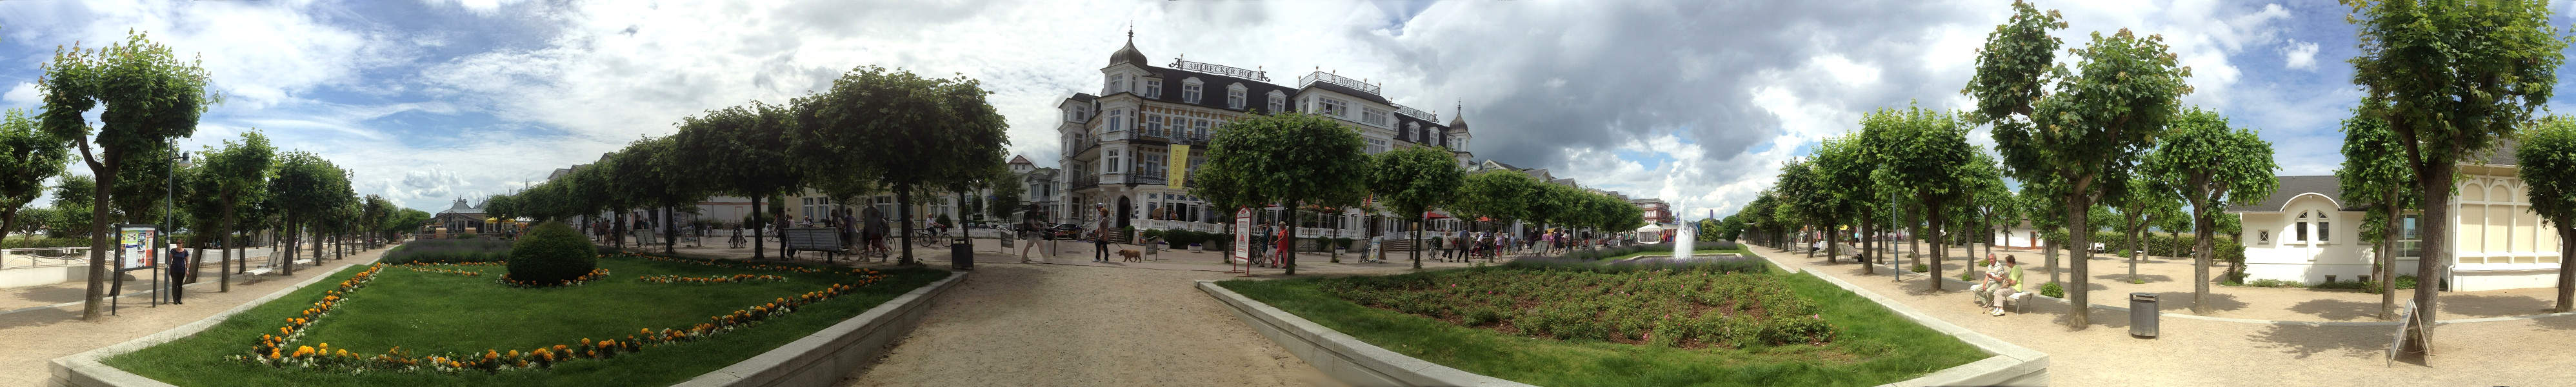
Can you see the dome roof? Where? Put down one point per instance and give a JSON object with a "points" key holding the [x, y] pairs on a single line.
{"points": [[1458, 120], [1128, 54]]}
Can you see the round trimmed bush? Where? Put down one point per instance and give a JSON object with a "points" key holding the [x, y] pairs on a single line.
{"points": [[552, 252]]}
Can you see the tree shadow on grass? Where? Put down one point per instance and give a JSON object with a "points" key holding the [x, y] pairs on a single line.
{"points": [[2124, 277], [2339, 310], [2304, 341], [2493, 306]]}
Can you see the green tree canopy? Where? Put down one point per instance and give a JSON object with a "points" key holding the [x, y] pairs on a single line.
{"points": [[28, 157], [1411, 180], [149, 95], [1293, 159], [2548, 157]]}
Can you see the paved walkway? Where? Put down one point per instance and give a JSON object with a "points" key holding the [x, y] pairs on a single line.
{"points": [[2201, 353], [35, 336]]}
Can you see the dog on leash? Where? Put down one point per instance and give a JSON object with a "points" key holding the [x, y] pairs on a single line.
{"points": [[1131, 256]]}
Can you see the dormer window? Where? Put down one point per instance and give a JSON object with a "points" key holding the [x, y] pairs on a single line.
{"points": [[1117, 84], [1332, 107], [1153, 88], [1278, 102], [1413, 130], [1190, 90], [1234, 96]]}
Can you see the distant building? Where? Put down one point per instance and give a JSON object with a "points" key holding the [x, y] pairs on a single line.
{"points": [[2308, 231], [459, 218]]}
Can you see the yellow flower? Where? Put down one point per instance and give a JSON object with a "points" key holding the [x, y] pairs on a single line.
{"points": [[301, 351]]}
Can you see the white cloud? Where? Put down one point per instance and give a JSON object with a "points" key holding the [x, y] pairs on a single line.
{"points": [[24, 94], [2300, 55]]}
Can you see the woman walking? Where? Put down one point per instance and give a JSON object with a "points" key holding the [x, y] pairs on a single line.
{"points": [[1100, 238]]}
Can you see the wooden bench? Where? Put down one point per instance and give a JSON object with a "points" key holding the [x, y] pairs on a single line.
{"points": [[819, 239]]}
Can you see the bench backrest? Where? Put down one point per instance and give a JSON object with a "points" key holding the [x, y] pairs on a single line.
{"points": [[812, 238]]}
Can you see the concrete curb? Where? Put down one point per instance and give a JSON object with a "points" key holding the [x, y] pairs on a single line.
{"points": [[823, 358], [84, 370], [1344, 357]]}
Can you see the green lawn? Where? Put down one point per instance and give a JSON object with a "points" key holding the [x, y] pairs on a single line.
{"points": [[1873, 346], [431, 313]]}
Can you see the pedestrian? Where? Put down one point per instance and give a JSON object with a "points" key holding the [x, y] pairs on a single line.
{"points": [[179, 268], [1283, 239], [1028, 231], [1100, 242]]}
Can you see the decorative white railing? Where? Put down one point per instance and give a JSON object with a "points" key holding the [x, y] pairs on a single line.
{"points": [[43, 257], [1218, 69], [1417, 113]]}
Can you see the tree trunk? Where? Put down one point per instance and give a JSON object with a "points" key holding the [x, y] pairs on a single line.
{"points": [[1288, 237], [2566, 271], [224, 270], [2137, 251], [286, 232], [903, 209], [2078, 297], [100, 234], [757, 224], [2386, 270], [1833, 245], [1939, 242], [316, 229], [2204, 228], [1868, 239], [2435, 186], [670, 235], [1417, 243]]}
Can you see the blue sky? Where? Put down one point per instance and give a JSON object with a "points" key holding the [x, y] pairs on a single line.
{"points": [[1696, 102]]}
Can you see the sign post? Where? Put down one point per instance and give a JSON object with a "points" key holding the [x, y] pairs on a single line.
{"points": [[1242, 240], [134, 244]]}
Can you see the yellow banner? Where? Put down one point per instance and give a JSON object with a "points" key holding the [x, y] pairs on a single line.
{"points": [[1179, 164]]}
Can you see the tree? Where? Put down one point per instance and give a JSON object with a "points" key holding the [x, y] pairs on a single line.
{"points": [[306, 188], [1294, 159], [2458, 76], [1928, 156], [1996, 205], [1845, 163], [2150, 198], [2377, 178], [2213, 166], [2083, 138], [1502, 195], [1413, 182], [27, 158], [2548, 156], [1803, 198], [233, 177], [909, 132], [151, 97], [744, 151]]}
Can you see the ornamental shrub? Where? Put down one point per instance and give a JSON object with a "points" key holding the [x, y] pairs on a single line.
{"points": [[552, 252], [2052, 289]]}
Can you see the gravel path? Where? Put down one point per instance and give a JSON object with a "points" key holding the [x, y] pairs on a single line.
{"points": [[1078, 324], [2204, 353], [31, 338], [2170, 279]]}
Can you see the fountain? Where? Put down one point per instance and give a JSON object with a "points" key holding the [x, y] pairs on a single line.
{"points": [[1682, 238]]}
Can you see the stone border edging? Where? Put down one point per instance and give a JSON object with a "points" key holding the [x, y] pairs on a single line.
{"points": [[84, 370], [823, 358], [2011, 365], [1344, 357]]}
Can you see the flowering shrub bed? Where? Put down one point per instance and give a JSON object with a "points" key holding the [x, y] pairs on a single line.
{"points": [[671, 279], [273, 349], [1676, 308]]}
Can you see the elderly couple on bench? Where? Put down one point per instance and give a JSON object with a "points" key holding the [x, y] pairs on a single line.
{"points": [[2001, 282]]}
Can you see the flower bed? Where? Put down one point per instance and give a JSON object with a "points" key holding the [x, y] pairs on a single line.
{"points": [[667, 279], [337, 341], [1688, 309]]}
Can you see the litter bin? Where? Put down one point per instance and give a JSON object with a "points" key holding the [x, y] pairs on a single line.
{"points": [[2143, 314], [961, 254]]}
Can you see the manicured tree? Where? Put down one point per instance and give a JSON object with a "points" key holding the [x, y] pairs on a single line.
{"points": [[1845, 163], [150, 97], [2083, 138], [232, 178], [668, 191], [2148, 199], [1504, 196], [1294, 159], [910, 132], [1998, 208], [1803, 198], [27, 158], [743, 150], [2212, 166], [305, 187], [73, 198], [1929, 156], [2458, 76], [2374, 175], [1412, 180], [2548, 156], [639, 182]]}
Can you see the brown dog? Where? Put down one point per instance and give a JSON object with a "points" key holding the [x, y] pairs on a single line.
{"points": [[1131, 256]]}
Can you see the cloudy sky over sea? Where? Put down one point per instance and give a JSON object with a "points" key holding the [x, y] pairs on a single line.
{"points": [[1693, 101]]}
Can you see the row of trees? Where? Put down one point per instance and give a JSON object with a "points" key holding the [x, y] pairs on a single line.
{"points": [[876, 130], [1310, 161], [147, 98]]}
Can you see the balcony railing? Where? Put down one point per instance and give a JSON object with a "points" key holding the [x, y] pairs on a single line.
{"points": [[1320, 76], [1417, 113], [1083, 182]]}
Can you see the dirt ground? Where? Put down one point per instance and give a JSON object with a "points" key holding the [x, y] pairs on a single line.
{"points": [[30, 338], [2171, 279], [2202, 353]]}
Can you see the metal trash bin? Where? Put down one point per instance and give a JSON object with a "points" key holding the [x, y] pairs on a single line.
{"points": [[961, 254], [2143, 314]]}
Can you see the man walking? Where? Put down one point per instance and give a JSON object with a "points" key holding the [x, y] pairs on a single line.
{"points": [[1100, 243]]}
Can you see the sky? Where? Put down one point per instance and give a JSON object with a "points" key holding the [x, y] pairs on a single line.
{"points": [[1696, 102]]}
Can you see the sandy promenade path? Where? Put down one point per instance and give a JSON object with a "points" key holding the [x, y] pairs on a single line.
{"points": [[31, 337], [1075, 323], [2213, 353]]}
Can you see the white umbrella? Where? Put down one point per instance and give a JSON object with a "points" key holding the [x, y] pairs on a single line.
{"points": [[1651, 228]]}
